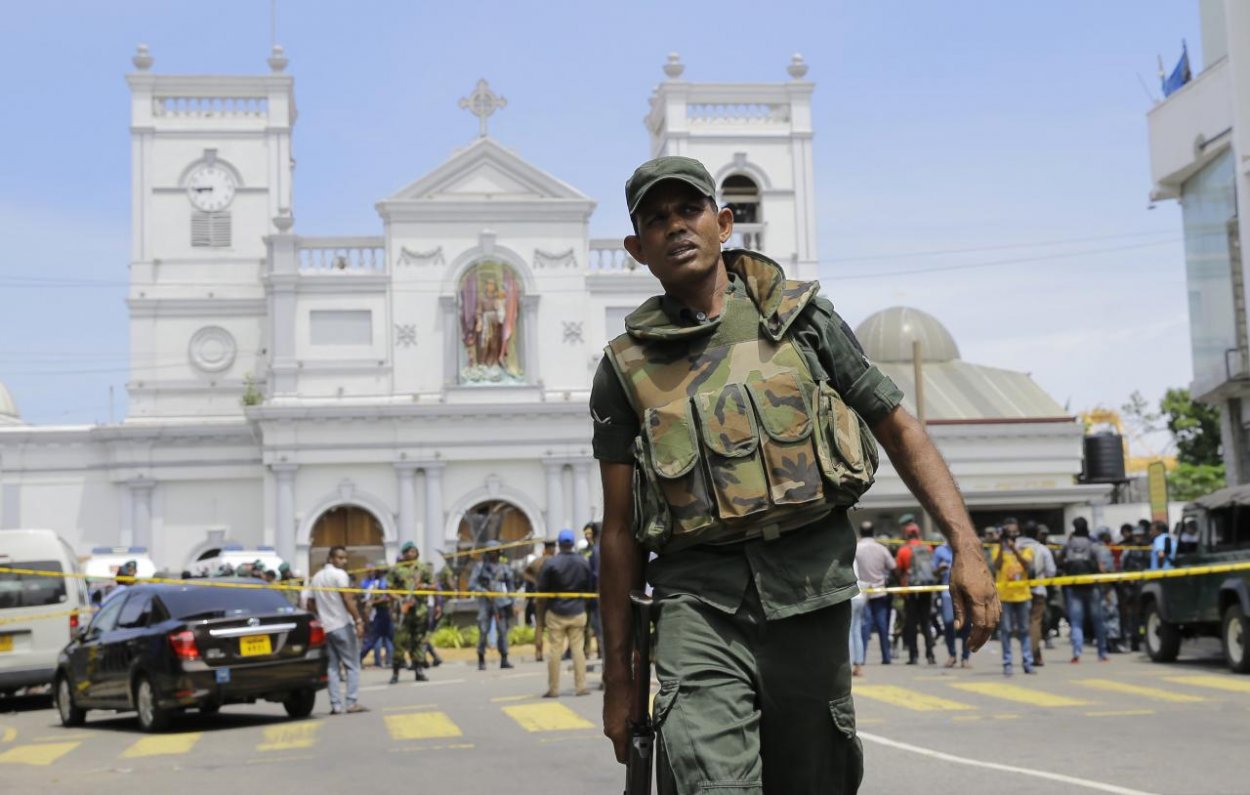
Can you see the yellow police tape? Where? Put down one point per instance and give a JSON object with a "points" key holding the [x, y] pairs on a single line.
{"points": [[277, 586], [1072, 579], [84, 612]]}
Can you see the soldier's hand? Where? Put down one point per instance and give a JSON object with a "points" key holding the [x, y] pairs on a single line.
{"points": [[973, 595], [616, 695]]}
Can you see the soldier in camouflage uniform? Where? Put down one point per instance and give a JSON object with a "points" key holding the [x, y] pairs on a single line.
{"points": [[410, 614], [733, 422]]}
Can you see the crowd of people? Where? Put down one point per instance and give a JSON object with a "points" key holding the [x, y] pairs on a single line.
{"points": [[1031, 615]]}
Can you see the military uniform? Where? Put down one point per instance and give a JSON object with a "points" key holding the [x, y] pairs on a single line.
{"points": [[492, 576], [744, 418], [410, 614]]}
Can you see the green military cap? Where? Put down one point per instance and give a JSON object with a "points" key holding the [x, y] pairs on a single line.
{"points": [[906, 518], [284, 567], [653, 172], [407, 546]]}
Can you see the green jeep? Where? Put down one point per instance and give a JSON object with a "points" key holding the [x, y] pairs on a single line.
{"points": [[1214, 605]]}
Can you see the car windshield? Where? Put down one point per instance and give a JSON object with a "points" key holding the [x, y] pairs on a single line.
{"points": [[195, 602], [31, 590]]}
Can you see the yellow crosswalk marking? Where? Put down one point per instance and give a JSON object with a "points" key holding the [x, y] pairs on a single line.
{"points": [[547, 717], [7, 734], [162, 745], [421, 726], [286, 736], [1214, 682], [1157, 693], [908, 699], [38, 754], [1023, 695]]}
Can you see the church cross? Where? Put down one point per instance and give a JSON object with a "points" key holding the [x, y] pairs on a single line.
{"points": [[483, 103]]}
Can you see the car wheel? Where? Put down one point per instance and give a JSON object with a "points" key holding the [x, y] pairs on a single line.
{"points": [[300, 703], [71, 713], [210, 708], [1235, 631], [1163, 640], [152, 718]]}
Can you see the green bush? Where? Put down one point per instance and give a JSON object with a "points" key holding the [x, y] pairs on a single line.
{"points": [[448, 636], [520, 635]]}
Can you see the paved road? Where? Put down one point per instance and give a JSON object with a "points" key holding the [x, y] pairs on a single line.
{"points": [[1134, 726]]}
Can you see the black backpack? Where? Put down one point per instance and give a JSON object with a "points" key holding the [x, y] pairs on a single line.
{"points": [[920, 572], [1078, 557]]}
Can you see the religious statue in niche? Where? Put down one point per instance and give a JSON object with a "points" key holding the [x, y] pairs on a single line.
{"points": [[490, 306]]}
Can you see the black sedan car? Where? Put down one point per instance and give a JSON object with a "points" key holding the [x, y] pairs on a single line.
{"points": [[158, 649]]}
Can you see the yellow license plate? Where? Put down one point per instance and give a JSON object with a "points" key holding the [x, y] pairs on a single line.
{"points": [[255, 646], [6, 642]]}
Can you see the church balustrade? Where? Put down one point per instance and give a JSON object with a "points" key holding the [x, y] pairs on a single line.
{"points": [[607, 254], [747, 236], [738, 112], [206, 107], [332, 255]]}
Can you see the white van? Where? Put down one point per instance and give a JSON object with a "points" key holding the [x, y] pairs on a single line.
{"points": [[234, 555], [38, 614], [101, 568]]}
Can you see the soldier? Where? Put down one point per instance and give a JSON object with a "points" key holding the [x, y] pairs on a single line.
{"points": [[491, 576], [410, 613], [736, 400]]}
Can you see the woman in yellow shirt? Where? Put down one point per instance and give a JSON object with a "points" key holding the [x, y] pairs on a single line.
{"points": [[1012, 567]]}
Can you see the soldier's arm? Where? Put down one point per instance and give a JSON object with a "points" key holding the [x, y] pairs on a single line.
{"points": [[620, 570], [922, 468]]}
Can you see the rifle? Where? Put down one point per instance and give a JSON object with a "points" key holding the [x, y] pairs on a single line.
{"points": [[642, 739]]}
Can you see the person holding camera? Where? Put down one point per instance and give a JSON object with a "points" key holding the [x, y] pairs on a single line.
{"points": [[1012, 564]]}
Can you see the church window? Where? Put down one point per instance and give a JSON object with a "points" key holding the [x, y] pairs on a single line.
{"points": [[489, 322], [210, 230], [741, 195], [340, 327]]}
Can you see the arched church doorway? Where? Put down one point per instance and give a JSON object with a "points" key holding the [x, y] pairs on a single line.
{"points": [[492, 520], [350, 526]]}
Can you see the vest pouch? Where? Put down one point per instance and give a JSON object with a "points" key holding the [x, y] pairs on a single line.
{"points": [[787, 443], [673, 452], [731, 451], [652, 524], [846, 459]]}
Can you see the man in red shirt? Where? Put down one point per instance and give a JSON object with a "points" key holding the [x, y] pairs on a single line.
{"points": [[917, 607]]}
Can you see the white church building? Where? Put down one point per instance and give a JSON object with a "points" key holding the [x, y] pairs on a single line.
{"points": [[428, 380]]}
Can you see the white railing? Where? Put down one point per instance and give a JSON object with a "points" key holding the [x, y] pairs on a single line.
{"points": [[747, 236], [332, 255], [608, 256], [206, 107], [737, 112]]}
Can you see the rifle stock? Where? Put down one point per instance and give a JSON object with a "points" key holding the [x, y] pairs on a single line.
{"points": [[642, 733]]}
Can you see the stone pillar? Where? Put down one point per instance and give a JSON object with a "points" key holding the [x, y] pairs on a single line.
{"points": [[283, 277], [406, 475], [555, 496], [581, 494], [10, 506], [433, 512], [284, 510], [141, 514]]}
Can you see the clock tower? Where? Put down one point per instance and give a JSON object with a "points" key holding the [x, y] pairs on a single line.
{"points": [[210, 177]]}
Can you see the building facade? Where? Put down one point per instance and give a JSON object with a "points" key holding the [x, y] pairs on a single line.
{"points": [[1199, 145], [427, 381]]}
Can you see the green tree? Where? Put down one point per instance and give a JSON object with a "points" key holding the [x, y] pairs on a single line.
{"points": [[1188, 481], [1195, 428]]}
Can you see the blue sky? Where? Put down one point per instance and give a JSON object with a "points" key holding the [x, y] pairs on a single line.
{"points": [[1015, 130]]}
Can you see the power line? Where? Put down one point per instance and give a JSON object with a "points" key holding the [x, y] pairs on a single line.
{"points": [[1001, 262]]}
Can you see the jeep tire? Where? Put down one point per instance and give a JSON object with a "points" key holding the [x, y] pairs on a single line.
{"points": [[1163, 640], [1234, 632]]}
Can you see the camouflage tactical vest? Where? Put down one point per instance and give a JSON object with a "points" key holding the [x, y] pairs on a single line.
{"points": [[738, 440]]}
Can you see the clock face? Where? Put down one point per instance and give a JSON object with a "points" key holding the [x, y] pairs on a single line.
{"points": [[211, 188]]}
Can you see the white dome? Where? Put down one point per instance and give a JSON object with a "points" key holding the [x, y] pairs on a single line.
{"points": [[887, 336], [8, 408]]}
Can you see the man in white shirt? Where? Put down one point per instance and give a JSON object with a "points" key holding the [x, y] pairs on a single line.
{"points": [[343, 627], [874, 564]]}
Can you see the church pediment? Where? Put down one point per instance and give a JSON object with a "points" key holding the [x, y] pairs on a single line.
{"points": [[487, 171]]}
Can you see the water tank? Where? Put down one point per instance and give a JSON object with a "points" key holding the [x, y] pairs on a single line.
{"points": [[1104, 458]]}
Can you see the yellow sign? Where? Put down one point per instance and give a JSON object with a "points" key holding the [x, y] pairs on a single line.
{"points": [[1157, 482], [6, 643]]}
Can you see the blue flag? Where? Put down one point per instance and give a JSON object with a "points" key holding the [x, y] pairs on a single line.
{"points": [[1180, 75]]}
